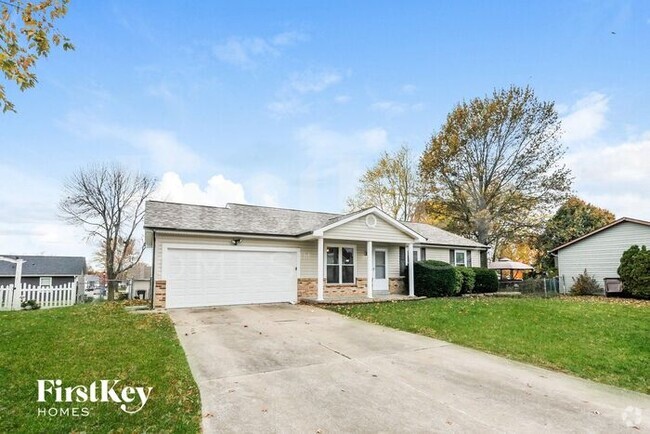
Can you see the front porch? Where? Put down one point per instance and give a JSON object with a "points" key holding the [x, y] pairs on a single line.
{"points": [[358, 269]]}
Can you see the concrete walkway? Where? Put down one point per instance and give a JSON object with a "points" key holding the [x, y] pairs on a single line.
{"points": [[283, 368]]}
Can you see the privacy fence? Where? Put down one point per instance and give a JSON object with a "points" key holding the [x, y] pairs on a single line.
{"points": [[45, 296]]}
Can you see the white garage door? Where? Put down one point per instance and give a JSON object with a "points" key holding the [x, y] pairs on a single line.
{"points": [[211, 277]]}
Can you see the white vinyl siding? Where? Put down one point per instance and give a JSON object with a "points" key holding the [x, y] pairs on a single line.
{"points": [[600, 254], [438, 254], [476, 258], [358, 230], [442, 254], [307, 248], [308, 259]]}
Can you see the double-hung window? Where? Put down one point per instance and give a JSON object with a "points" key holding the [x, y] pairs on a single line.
{"points": [[340, 265], [45, 281], [460, 258]]}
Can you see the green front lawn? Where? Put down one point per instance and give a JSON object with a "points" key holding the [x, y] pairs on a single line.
{"points": [[87, 343], [595, 338]]}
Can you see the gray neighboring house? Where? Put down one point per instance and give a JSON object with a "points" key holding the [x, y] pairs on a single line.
{"points": [[44, 270], [599, 252], [245, 254]]}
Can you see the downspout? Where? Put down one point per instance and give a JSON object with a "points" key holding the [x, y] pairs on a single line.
{"points": [[152, 283]]}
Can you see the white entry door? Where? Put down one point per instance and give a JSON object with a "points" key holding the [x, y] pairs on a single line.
{"points": [[380, 283]]}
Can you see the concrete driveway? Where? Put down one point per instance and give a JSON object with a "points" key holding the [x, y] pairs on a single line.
{"points": [[282, 368]]}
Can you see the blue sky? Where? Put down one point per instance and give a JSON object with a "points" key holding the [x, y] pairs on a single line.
{"points": [[285, 103]]}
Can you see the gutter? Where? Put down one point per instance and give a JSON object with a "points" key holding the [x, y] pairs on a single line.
{"points": [[152, 284]]}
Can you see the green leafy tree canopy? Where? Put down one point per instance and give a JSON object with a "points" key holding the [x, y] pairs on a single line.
{"points": [[494, 169], [392, 185], [27, 33]]}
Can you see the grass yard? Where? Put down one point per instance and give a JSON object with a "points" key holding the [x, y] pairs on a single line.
{"points": [[87, 343], [600, 339]]}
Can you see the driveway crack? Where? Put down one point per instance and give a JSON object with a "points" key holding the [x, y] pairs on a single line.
{"points": [[335, 351]]}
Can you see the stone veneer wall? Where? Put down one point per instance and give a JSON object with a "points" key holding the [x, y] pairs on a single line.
{"points": [[160, 294], [308, 288], [396, 285]]}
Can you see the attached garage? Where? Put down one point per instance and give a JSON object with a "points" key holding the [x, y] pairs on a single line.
{"points": [[199, 275]]}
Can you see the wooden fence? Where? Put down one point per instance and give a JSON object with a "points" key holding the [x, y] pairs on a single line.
{"points": [[45, 296]]}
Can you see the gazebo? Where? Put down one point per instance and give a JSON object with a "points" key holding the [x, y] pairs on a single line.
{"points": [[517, 269]]}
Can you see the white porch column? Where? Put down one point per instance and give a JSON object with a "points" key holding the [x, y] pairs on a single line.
{"points": [[410, 262], [369, 265], [321, 262], [18, 285]]}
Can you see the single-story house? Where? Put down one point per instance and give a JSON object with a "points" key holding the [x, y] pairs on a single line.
{"points": [[599, 252], [244, 254], [44, 270], [138, 281], [92, 282]]}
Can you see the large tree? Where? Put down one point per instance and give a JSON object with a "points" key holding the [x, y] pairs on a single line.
{"points": [[27, 33], [108, 202], [392, 185], [494, 169], [572, 220]]}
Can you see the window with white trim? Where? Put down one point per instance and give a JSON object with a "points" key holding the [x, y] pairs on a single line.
{"points": [[45, 281], [340, 264], [460, 258]]}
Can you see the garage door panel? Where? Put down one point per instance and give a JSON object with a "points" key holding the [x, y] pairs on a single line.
{"points": [[206, 277]]}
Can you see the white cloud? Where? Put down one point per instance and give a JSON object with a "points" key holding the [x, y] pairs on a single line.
{"points": [[311, 81], [615, 176], [409, 88], [334, 160], [163, 148], [287, 107], [288, 38], [29, 223], [585, 119], [395, 108], [244, 52], [342, 99], [266, 189], [217, 192], [290, 99]]}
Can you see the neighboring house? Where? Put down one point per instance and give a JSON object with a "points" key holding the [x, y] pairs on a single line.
{"points": [[44, 270], [240, 254], [138, 280], [599, 252], [92, 282]]}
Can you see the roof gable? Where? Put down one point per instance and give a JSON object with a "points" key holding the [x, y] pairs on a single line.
{"points": [[604, 228], [369, 224]]}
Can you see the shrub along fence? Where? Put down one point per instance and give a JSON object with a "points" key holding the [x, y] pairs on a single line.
{"points": [[45, 296]]}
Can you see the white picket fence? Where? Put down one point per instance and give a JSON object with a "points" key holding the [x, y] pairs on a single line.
{"points": [[46, 296]]}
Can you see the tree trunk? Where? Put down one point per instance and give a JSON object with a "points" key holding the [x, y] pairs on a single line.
{"points": [[111, 289]]}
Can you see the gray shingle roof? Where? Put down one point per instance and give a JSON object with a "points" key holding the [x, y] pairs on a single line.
{"points": [[45, 265], [261, 220], [439, 236], [234, 218]]}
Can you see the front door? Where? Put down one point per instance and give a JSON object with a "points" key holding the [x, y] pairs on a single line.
{"points": [[380, 283]]}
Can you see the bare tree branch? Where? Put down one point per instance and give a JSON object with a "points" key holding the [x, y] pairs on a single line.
{"points": [[108, 202]]}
